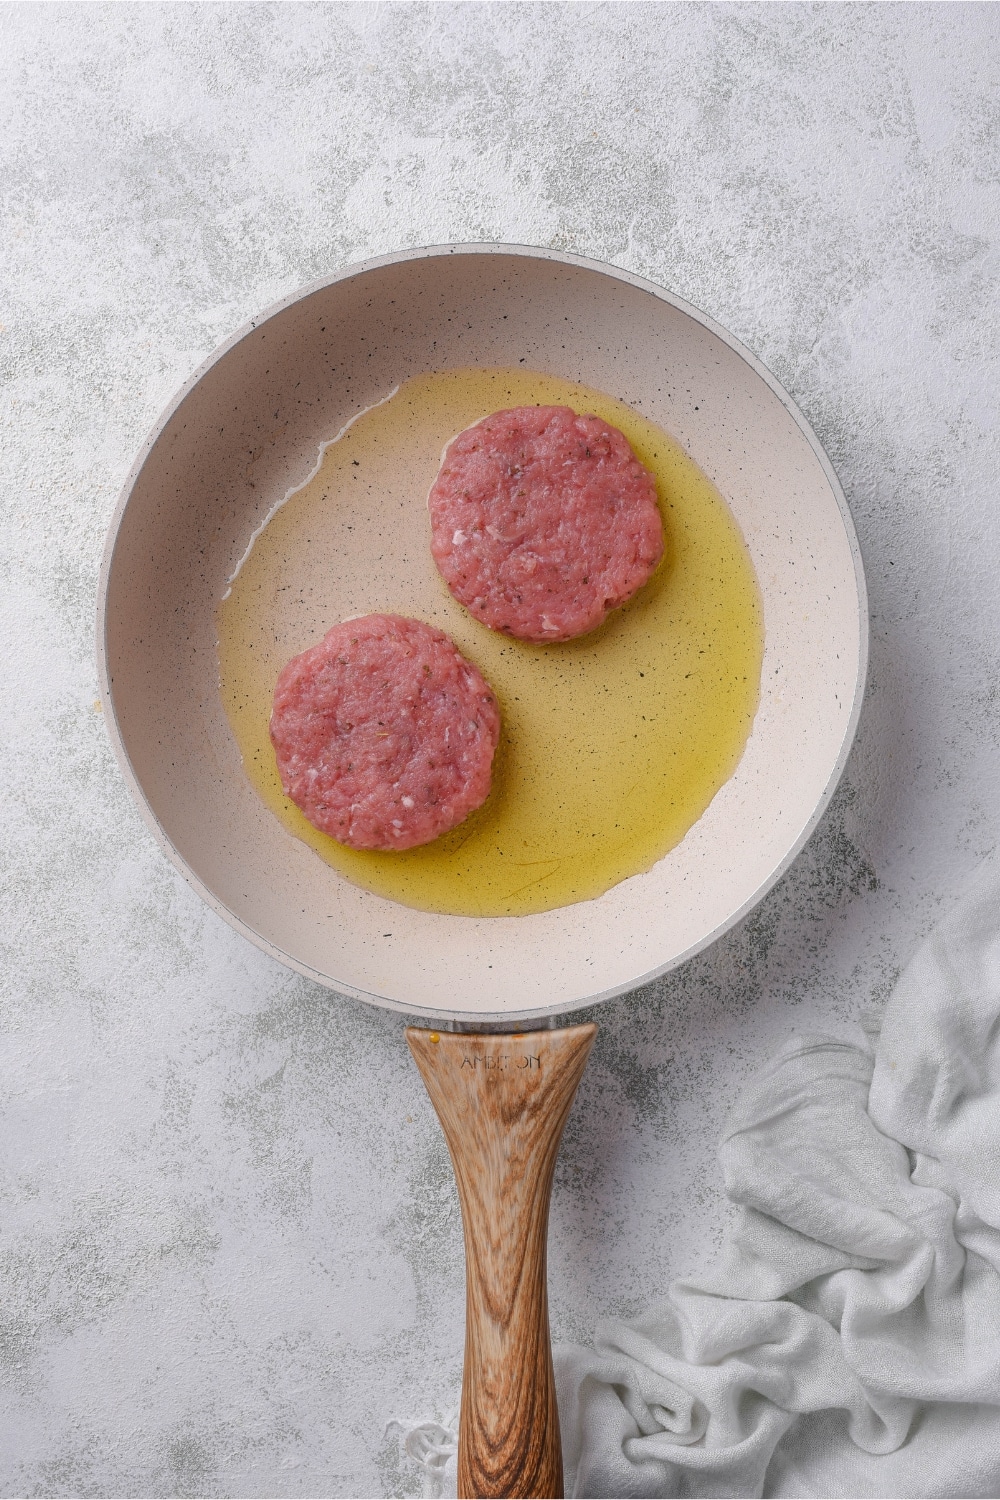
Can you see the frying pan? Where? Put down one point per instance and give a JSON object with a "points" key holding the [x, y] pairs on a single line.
{"points": [[245, 430]]}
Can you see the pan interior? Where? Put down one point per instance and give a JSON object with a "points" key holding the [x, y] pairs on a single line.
{"points": [[249, 428], [613, 745]]}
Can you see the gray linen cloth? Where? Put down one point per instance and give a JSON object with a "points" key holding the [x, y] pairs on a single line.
{"points": [[848, 1342]]}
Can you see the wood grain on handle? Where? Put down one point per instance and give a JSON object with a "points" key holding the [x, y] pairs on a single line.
{"points": [[502, 1102]]}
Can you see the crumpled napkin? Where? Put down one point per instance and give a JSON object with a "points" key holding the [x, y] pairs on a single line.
{"points": [[848, 1344]]}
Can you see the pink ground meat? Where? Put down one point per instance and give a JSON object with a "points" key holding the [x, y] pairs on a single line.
{"points": [[542, 521], [384, 734]]}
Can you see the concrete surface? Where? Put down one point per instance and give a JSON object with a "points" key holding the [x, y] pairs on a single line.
{"points": [[230, 1248]]}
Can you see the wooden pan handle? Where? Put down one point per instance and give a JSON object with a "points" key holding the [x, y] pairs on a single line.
{"points": [[502, 1102]]}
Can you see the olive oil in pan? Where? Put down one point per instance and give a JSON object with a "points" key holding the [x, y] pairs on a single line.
{"points": [[613, 745]]}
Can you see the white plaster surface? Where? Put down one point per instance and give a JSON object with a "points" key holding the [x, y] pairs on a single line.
{"points": [[229, 1247]]}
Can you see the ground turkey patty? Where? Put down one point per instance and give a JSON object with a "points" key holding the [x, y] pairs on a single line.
{"points": [[543, 521], [384, 733]]}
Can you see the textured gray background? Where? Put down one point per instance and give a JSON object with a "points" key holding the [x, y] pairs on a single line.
{"points": [[229, 1248]]}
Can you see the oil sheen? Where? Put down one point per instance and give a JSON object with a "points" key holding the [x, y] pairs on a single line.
{"points": [[612, 746]]}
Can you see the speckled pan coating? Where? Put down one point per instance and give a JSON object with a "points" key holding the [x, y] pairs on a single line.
{"points": [[543, 521], [261, 407]]}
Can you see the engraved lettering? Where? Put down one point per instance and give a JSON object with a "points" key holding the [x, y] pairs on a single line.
{"points": [[498, 1060]]}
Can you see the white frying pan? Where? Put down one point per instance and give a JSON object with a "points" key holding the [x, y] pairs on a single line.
{"points": [[248, 425], [244, 430]]}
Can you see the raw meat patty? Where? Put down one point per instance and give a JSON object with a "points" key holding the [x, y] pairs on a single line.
{"points": [[384, 733], [543, 521]]}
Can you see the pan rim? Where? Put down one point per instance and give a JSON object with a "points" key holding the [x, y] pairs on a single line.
{"points": [[507, 1019]]}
